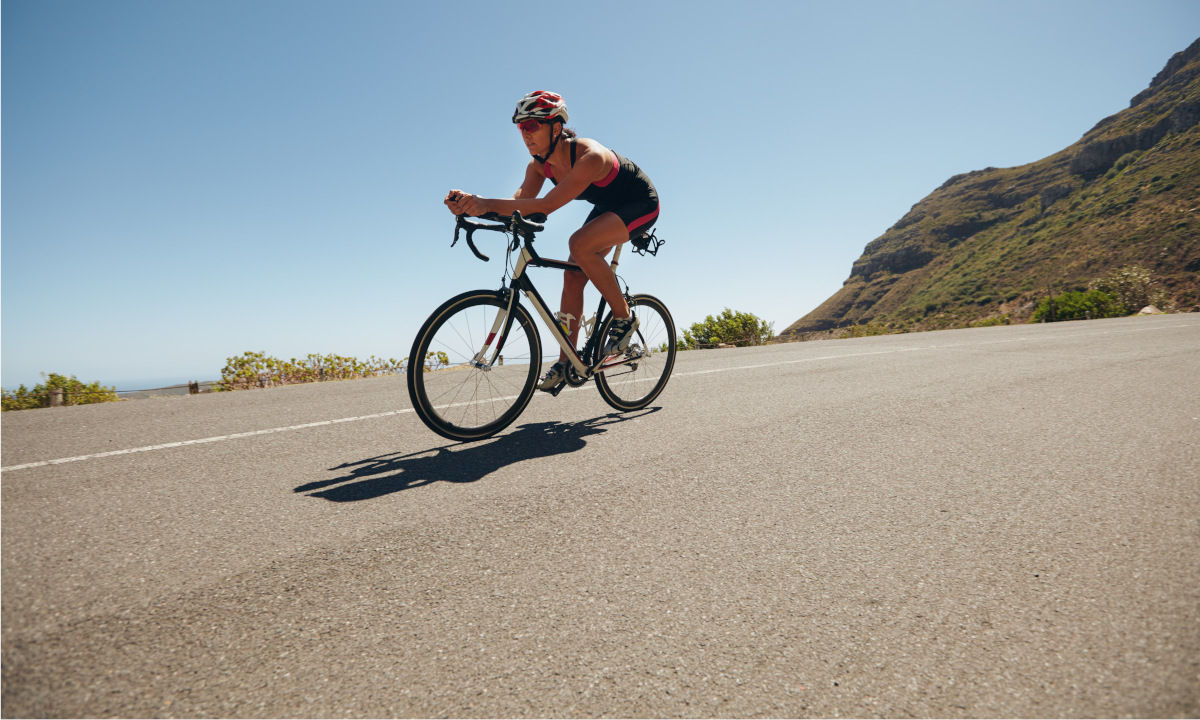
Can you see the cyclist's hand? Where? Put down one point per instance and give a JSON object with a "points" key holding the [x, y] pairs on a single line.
{"points": [[461, 203]]}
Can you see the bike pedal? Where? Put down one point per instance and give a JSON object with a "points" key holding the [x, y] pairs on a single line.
{"points": [[554, 391]]}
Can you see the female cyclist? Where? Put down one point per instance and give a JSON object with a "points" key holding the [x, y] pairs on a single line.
{"points": [[626, 205]]}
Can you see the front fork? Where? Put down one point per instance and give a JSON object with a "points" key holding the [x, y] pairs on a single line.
{"points": [[487, 355]]}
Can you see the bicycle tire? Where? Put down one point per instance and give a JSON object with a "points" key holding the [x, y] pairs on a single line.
{"points": [[457, 398], [632, 384]]}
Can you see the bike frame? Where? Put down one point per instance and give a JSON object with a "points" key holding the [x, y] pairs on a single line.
{"points": [[522, 282]]}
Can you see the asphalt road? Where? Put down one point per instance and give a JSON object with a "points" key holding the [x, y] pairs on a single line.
{"points": [[994, 522]]}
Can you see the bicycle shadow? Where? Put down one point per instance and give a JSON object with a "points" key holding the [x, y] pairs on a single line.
{"points": [[458, 463]]}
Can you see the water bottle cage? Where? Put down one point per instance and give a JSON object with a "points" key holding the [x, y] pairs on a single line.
{"points": [[564, 321]]}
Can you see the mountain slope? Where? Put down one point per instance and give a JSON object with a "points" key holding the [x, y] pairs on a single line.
{"points": [[989, 243]]}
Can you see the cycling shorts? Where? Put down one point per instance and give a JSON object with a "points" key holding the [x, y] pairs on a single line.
{"points": [[638, 215]]}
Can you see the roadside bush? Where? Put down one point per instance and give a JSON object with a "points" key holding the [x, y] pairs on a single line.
{"points": [[258, 370], [74, 392], [869, 329], [728, 328], [1133, 288], [992, 321], [437, 360], [1075, 305]]}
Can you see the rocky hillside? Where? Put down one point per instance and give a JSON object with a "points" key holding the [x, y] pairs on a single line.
{"points": [[986, 245]]}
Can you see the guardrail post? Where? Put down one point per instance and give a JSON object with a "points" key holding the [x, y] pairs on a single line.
{"points": [[56, 397]]}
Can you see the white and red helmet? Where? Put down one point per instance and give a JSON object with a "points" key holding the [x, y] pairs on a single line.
{"points": [[541, 105]]}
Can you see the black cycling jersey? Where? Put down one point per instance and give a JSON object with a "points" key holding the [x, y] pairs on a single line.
{"points": [[625, 191]]}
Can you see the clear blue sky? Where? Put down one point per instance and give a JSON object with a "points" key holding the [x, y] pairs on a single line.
{"points": [[184, 181]]}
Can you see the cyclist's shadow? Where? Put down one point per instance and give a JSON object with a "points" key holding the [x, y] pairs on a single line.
{"points": [[459, 463]]}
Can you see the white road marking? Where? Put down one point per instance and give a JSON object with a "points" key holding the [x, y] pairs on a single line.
{"points": [[201, 441]]}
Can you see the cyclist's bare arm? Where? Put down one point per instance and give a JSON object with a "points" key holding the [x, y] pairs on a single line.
{"points": [[589, 168], [534, 179]]}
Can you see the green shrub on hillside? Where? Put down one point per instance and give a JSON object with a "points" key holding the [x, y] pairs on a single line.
{"points": [[1133, 287], [1075, 305], [1121, 292], [992, 321], [869, 329], [74, 392]]}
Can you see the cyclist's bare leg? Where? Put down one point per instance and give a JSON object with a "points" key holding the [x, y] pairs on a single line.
{"points": [[590, 246], [574, 283]]}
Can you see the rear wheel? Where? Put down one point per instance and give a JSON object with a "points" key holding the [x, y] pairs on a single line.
{"points": [[459, 387], [631, 380]]}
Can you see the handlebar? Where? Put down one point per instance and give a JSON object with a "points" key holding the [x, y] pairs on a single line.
{"points": [[515, 223]]}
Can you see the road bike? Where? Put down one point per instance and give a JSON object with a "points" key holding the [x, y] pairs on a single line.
{"points": [[475, 363]]}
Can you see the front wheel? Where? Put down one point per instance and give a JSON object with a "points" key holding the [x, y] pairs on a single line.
{"points": [[473, 368], [632, 380]]}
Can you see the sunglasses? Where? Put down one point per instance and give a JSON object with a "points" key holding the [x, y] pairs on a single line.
{"points": [[530, 125]]}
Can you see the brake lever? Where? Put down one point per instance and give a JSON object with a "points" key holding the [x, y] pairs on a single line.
{"points": [[458, 226]]}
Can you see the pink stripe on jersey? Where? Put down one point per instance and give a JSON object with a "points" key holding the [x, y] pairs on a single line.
{"points": [[612, 174], [616, 168]]}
